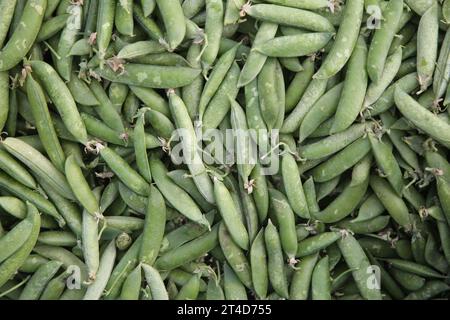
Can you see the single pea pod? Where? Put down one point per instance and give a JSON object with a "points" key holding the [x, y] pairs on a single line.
{"points": [[345, 41], [61, 98], [213, 33], [301, 280], [148, 76], [37, 283], [24, 36]]}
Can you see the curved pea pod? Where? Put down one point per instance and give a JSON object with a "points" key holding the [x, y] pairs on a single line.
{"points": [[213, 33], [216, 78], [155, 222], [361, 170], [15, 170], [61, 98], [260, 192], [342, 161], [429, 290], [141, 150], [155, 282], [286, 224], [9, 267], [301, 280], [409, 281], [371, 226], [327, 188], [376, 89], [288, 46], [370, 208], [407, 83], [422, 118], [39, 164], [440, 80], [67, 39], [37, 283], [80, 187], [357, 260], [192, 93], [7, 8], [277, 274], [387, 163], [333, 143], [152, 99], [427, 46], [321, 280], [233, 287], [387, 282], [16, 237], [230, 215], [354, 90], [172, 13], [176, 196], [190, 290], [132, 285], [214, 290], [290, 16], [105, 25], [148, 76], [190, 152], [124, 21], [123, 170], [345, 42], [81, 92], [139, 49], [298, 85], [382, 39], [24, 35], [220, 105], [391, 201], [322, 110], [317, 243], [189, 251], [258, 263], [293, 186], [267, 93], [4, 98], [377, 247], [344, 204], [256, 60], [433, 256], [44, 124], [415, 268]]}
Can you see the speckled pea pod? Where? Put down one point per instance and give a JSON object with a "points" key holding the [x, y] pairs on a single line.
{"points": [[427, 46], [391, 201], [124, 17], [256, 60], [301, 280], [61, 98], [7, 9], [290, 16], [382, 39], [440, 81], [105, 25], [213, 33], [23, 37], [192, 93], [277, 274], [345, 41], [321, 280]]}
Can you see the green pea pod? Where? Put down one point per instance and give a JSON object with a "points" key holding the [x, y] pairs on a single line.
{"points": [[382, 39], [155, 282], [277, 274], [180, 200], [192, 93], [293, 186], [355, 86], [316, 243], [4, 100], [321, 280], [299, 83], [124, 17], [421, 117], [258, 263], [37, 283], [301, 280], [427, 46], [23, 37], [233, 287], [345, 42], [61, 98], [288, 46], [154, 227], [213, 33], [7, 9], [140, 150], [9, 267], [144, 76], [357, 260], [189, 251], [132, 285], [290, 16]]}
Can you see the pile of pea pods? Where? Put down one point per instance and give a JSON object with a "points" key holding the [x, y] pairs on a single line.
{"points": [[351, 201]]}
